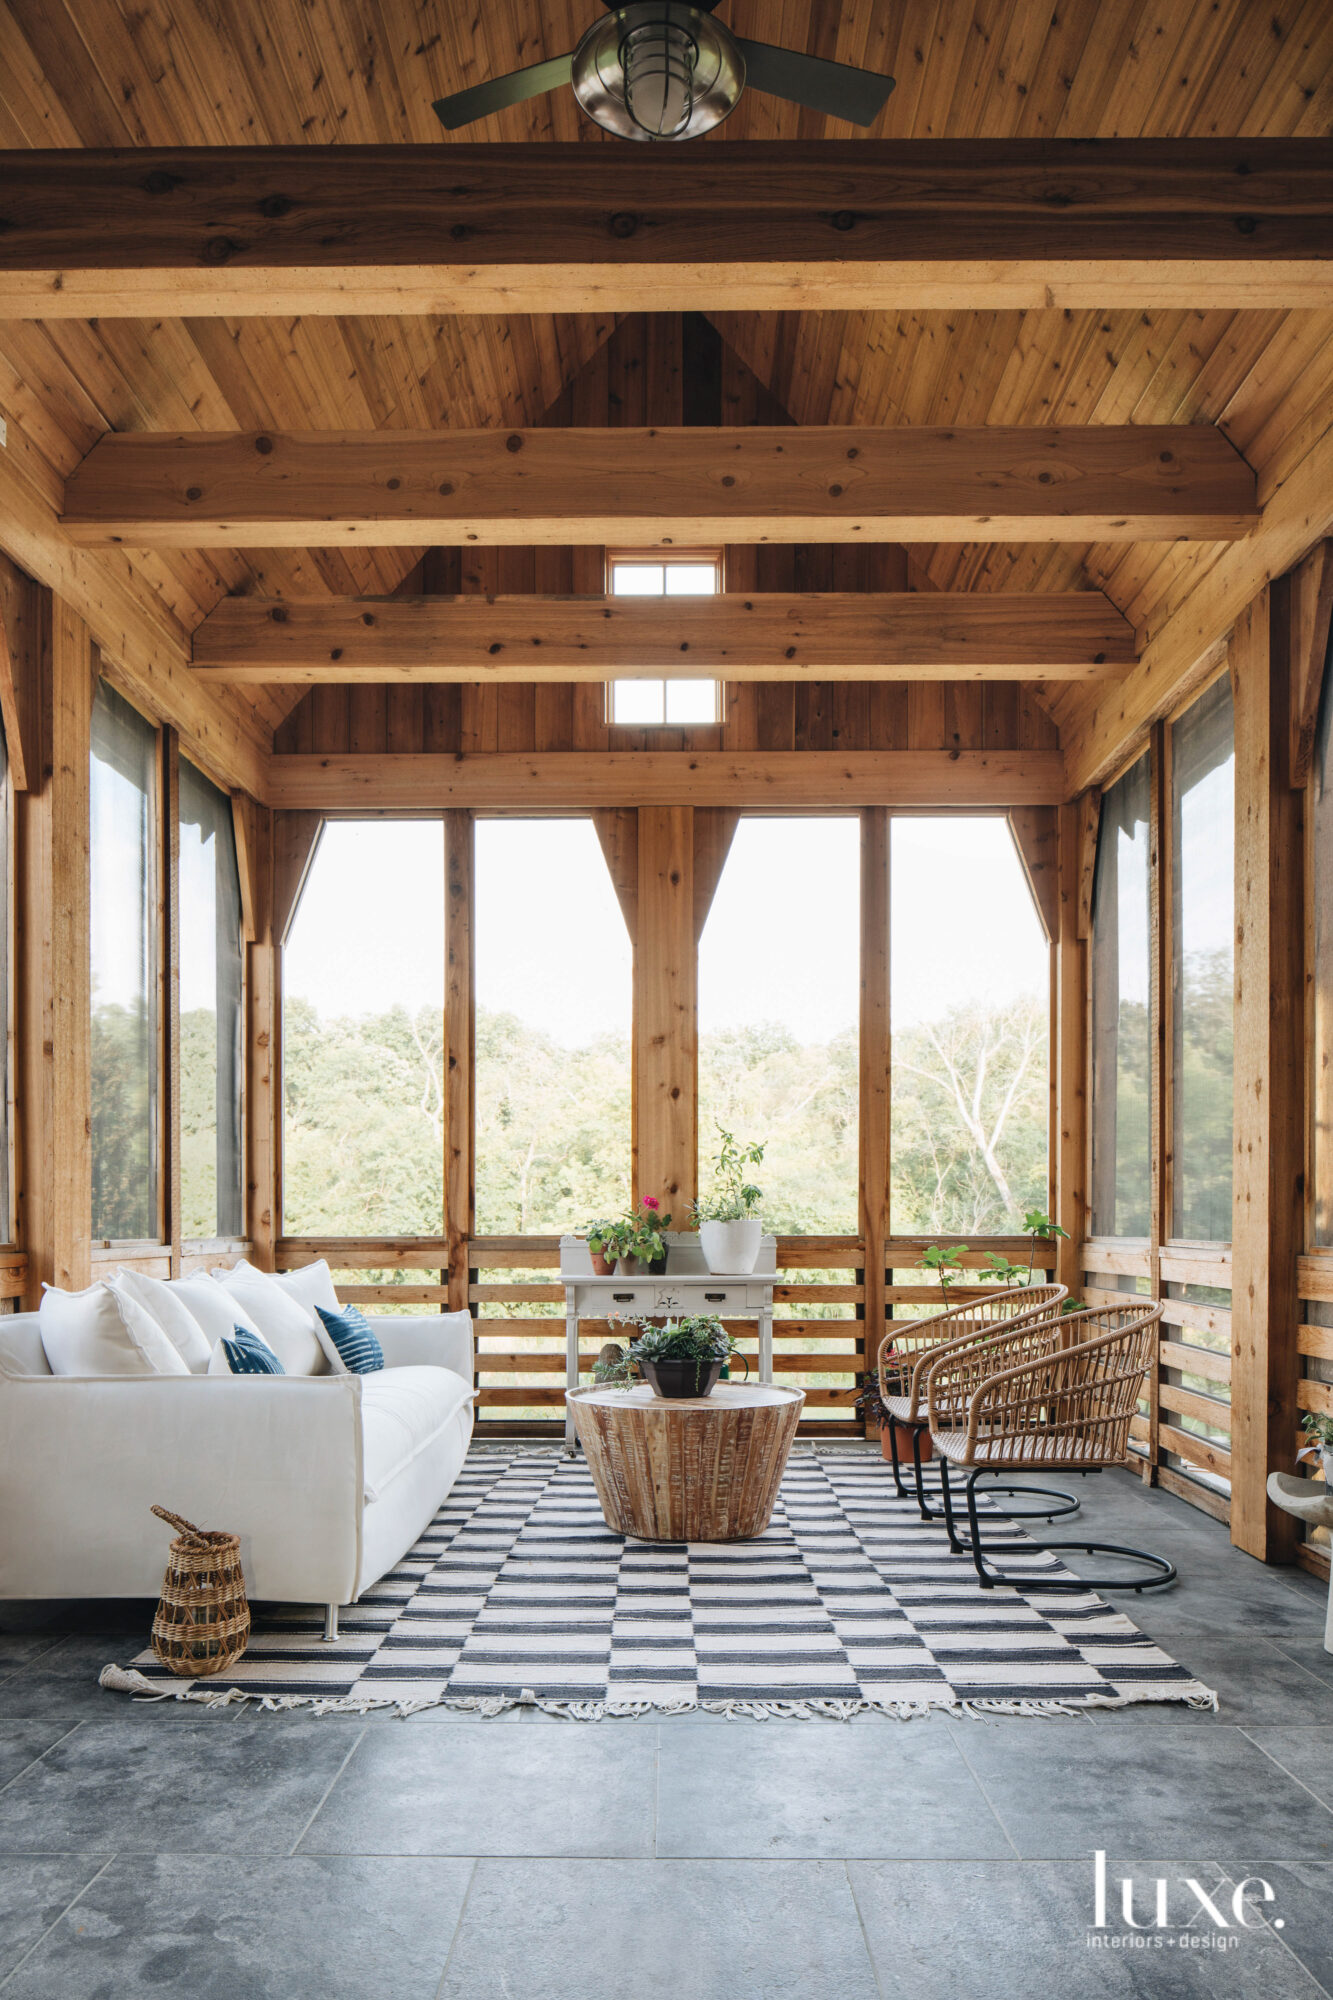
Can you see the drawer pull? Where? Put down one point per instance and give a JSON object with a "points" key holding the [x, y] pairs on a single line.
{"points": [[623, 1298], [712, 1298]]}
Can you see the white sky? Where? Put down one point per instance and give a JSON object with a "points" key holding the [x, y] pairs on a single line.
{"points": [[781, 942]]}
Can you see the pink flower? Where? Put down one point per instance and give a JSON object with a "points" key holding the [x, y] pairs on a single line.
{"points": [[651, 1201]]}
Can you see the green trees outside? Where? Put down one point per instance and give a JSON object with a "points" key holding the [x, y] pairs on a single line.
{"points": [[364, 1138]]}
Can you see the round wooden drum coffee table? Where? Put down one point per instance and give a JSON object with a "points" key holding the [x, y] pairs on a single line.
{"points": [[689, 1468]]}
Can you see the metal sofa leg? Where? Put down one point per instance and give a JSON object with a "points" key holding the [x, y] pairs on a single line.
{"points": [[330, 1623]]}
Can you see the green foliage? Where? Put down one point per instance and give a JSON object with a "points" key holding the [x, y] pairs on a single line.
{"points": [[945, 1263], [694, 1337], [734, 1199], [1319, 1429], [124, 1063]]}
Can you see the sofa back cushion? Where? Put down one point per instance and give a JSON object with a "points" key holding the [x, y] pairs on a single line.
{"points": [[311, 1285], [288, 1325], [217, 1312], [21, 1350], [172, 1315], [103, 1332]]}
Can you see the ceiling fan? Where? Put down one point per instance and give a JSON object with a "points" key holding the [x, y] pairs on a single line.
{"points": [[661, 69]]}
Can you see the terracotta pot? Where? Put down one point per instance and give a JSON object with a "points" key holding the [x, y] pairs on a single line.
{"points": [[602, 1265], [905, 1444]]}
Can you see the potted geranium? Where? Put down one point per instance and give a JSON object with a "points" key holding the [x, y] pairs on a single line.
{"points": [[730, 1227], [684, 1357], [650, 1227]]}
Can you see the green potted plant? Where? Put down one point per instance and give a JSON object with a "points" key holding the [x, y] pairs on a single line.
{"points": [[869, 1406], [1319, 1430], [683, 1357], [649, 1227], [602, 1248], [729, 1225], [945, 1263]]}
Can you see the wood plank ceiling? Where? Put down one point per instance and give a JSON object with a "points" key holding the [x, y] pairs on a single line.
{"points": [[170, 72]]}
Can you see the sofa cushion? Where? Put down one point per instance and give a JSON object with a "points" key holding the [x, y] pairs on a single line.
{"points": [[403, 1410], [348, 1339], [217, 1312], [244, 1353], [172, 1315], [102, 1332], [287, 1324], [311, 1285], [21, 1350]]}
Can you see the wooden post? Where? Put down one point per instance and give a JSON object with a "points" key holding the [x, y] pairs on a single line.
{"points": [[666, 1054], [459, 1052], [57, 677], [1160, 1014], [169, 930], [262, 1102], [873, 1220], [1069, 1058], [1268, 1193]]}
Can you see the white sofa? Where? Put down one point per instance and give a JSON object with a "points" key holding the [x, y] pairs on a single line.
{"points": [[328, 1479]]}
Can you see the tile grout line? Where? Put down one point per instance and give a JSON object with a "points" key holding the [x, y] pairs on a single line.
{"points": [[865, 1935], [990, 1807], [73, 1727], [1278, 1937], [453, 1942], [360, 1737], [1243, 1729], [52, 1646], [56, 1922]]}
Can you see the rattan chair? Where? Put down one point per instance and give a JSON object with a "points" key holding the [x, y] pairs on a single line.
{"points": [[1055, 1396], [911, 1346]]}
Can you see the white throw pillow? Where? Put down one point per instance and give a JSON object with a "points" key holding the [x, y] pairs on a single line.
{"points": [[216, 1311], [172, 1315], [286, 1324], [102, 1332], [312, 1286]]}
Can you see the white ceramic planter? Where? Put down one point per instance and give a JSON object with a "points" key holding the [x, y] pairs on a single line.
{"points": [[731, 1247]]}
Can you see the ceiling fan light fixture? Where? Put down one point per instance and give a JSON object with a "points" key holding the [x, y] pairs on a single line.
{"points": [[658, 60]]}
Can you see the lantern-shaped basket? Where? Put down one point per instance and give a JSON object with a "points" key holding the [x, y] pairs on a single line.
{"points": [[202, 1622]]}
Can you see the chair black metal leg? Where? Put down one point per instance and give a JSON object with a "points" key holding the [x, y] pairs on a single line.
{"points": [[955, 1546], [1161, 1572], [927, 1513], [899, 1488]]}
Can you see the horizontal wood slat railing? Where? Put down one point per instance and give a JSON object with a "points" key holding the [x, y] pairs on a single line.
{"points": [[1182, 1435], [821, 1340], [1314, 1346], [13, 1275]]}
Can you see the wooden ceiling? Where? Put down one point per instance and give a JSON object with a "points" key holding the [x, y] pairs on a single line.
{"points": [[172, 72]]}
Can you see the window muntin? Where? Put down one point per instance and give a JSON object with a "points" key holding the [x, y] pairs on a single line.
{"points": [[969, 1005], [211, 969], [363, 1035], [1203, 923], [125, 965], [779, 1031], [1121, 1024], [666, 703], [554, 1012]]}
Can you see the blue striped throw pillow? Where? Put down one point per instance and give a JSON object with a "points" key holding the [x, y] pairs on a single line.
{"points": [[354, 1337], [247, 1354]]}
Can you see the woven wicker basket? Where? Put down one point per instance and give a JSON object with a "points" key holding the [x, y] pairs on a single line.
{"points": [[202, 1622]]}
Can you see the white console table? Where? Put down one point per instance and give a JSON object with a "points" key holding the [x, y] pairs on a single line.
{"points": [[688, 1287]]}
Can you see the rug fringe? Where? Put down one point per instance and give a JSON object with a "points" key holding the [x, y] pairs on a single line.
{"points": [[122, 1680]]}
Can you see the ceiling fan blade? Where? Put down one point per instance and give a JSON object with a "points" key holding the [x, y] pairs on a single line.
{"points": [[834, 88], [500, 92]]}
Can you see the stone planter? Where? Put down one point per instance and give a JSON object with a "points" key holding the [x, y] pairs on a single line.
{"points": [[731, 1248]]}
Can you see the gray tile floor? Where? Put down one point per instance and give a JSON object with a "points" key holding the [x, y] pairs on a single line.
{"points": [[236, 1856]]}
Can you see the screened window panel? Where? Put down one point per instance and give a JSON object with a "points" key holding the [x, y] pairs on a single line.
{"points": [[363, 1035], [211, 961], [1203, 767], [969, 1007], [125, 950], [779, 1025], [1121, 1027], [1322, 1080], [6, 1080], [554, 981]]}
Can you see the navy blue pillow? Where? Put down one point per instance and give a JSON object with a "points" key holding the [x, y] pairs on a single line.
{"points": [[248, 1355], [354, 1337]]}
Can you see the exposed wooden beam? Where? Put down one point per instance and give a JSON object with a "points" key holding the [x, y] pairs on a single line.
{"points": [[885, 225], [853, 635], [1184, 651], [460, 1053], [144, 647], [1036, 838], [666, 1012], [574, 781], [748, 483], [1311, 614]]}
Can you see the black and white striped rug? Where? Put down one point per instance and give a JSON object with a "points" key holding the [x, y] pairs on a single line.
{"points": [[518, 1592]]}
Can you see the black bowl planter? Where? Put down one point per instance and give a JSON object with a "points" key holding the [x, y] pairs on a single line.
{"points": [[681, 1378]]}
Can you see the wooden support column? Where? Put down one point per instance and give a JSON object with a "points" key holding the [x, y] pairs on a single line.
{"points": [[459, 1052], [57, 676], [254, 856], [1160, 1014], [1268, 1195], [1069, 1058], [873, 1220], [666, 1055]]}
